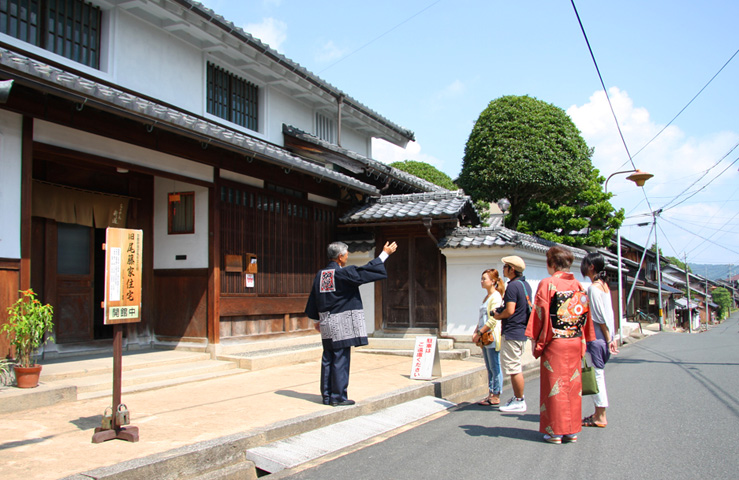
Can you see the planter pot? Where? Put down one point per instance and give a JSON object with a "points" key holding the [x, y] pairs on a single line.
{"points": [[27, 377]]}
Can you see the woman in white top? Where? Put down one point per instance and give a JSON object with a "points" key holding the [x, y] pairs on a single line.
{"points": [[493, 285], [600, 350]]}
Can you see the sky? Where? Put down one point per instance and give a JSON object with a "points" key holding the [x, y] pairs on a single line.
{"points": [[433, 66]]}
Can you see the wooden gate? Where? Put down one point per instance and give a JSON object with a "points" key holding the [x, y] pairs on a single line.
{"points": [[413, 295]]}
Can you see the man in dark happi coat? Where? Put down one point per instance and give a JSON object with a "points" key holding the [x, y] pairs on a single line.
{"points": [[335, 306]]}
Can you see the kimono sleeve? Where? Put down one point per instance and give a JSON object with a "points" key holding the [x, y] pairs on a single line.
{"points": [[537, 327]]}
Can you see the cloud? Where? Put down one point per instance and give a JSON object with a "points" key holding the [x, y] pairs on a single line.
{"points": [[329, 52], [271, 31], [386, 152], [677, 160]]}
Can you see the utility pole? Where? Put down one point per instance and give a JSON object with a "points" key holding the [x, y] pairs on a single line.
{"points": [[687, 281], [659, 272], [705, 272]]}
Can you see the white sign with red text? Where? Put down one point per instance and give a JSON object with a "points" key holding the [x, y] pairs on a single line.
{"points": [[426, 363]]}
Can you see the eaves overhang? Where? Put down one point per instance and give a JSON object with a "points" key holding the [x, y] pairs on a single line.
{"points": [[88, 92]]}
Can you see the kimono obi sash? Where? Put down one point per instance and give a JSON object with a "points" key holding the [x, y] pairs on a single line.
{"points": [[568, 312]]}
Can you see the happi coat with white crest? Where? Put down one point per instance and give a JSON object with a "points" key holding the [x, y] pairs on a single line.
{"points": [[335, 302]]}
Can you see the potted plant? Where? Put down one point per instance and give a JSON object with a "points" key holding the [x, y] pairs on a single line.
{"points": [[28, 322]]}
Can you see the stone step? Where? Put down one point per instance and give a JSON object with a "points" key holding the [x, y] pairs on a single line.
{"points": [[403, 343], [153, 374], [91, 365], [453, 354], [283, 355]]}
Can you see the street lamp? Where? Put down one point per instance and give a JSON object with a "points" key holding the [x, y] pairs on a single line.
{"points": [[504, 205], [638, 177]]}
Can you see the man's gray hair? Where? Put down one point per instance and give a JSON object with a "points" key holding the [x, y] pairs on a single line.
{"points": [[336, 249]]}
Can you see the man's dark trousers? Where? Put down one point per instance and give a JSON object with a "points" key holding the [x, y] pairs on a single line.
{"points": [[335, 374]]}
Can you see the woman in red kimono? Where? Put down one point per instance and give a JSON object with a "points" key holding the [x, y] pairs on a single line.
{"points": [[560, 325]]}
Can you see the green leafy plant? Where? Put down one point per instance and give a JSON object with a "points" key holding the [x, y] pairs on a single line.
{"points": [[28, 322], [6, 377]]}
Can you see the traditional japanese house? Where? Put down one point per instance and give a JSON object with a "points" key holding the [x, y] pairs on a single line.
{"points": [[162, 116]]}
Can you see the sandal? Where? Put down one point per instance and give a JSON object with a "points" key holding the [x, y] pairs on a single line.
{"points": [[590, 422], [489, 403]]}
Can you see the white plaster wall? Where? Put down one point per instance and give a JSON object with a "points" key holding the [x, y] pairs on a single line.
{"points": [[283, 109], [356, 142], [367, 290], [80, 141], [464, 294], [151, 61], [167, 246], [10, 184]]}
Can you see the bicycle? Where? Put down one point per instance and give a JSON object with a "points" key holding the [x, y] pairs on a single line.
{"points": [[641, 316]]}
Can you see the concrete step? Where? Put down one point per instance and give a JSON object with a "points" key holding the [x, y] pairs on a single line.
{"points": [[453, 354], [403, 343], [283, 355], [151, 375], [239, 347], [70, 368]]}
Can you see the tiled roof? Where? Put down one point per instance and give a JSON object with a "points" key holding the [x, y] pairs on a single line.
{"points": [[482, 237], [411, 206], [371, 166], [161, 115]]}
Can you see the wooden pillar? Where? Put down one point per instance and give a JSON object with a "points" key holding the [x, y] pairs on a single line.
{"points": [[214, 254], [26, 201]]}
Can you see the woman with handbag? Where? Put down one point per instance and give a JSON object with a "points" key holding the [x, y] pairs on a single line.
{"points": [[559, 323], [487, 334], [599, 350]]}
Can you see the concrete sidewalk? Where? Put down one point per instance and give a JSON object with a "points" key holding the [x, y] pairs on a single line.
{"points": [[188, 429]]}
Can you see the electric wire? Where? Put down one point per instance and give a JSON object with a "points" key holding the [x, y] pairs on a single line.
{"points": [[379, 36], [702, 188], [605, 90], [688, 104], [704, 238]]}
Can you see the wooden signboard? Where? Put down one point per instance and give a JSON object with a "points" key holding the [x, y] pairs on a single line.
{"points": [[123, 272], [426, 362]]}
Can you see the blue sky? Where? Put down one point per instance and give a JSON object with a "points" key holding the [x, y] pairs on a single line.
{"points": [[433, 65]]}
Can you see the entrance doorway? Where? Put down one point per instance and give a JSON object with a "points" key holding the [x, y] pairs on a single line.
{"points": [[412, 294], [79, 283]]}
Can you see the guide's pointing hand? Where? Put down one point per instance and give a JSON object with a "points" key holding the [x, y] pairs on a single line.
{"points": [[390, 248]]}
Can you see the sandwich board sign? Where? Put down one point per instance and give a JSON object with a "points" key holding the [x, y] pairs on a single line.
{"points": [[123, 272], [426, 363]]}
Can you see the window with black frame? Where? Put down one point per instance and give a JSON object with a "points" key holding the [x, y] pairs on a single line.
{"points": [[70, 28], [232, 98]]}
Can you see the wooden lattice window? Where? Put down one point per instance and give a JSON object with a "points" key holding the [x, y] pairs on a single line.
{"points": [[288, 235], [181, 212], [232, 98], [70, 28]]}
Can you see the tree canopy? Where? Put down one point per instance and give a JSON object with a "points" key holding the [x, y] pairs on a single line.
{"points": [[722, 297], [587, 219], [528, 151], [427, 172]]}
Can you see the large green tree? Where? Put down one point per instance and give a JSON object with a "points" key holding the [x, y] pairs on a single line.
{"points": [[427, 172], [528, 151], [586, 219]]}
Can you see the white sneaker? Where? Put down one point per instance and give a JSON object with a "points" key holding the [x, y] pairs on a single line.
{"points": [[514, 405]]}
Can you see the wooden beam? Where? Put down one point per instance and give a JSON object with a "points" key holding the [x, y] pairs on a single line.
{"points": [[26, 201]]}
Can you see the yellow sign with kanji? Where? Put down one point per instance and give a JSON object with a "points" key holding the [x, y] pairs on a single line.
{"points": [[123, 272]]}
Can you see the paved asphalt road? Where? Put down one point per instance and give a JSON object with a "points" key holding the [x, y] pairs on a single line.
{"points": [[674, 415]]}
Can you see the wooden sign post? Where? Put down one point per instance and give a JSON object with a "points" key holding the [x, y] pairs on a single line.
{"points": [[122, 304], [426, 362]]}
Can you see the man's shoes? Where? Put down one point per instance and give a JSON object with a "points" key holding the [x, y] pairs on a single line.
{"points": [[514, 405], [343, 403], [327, 401]]}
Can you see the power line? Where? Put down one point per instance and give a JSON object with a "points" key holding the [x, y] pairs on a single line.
{"points": [[693, 233], [605, 90], [704, 186], [380, 36], [688, 104]]}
